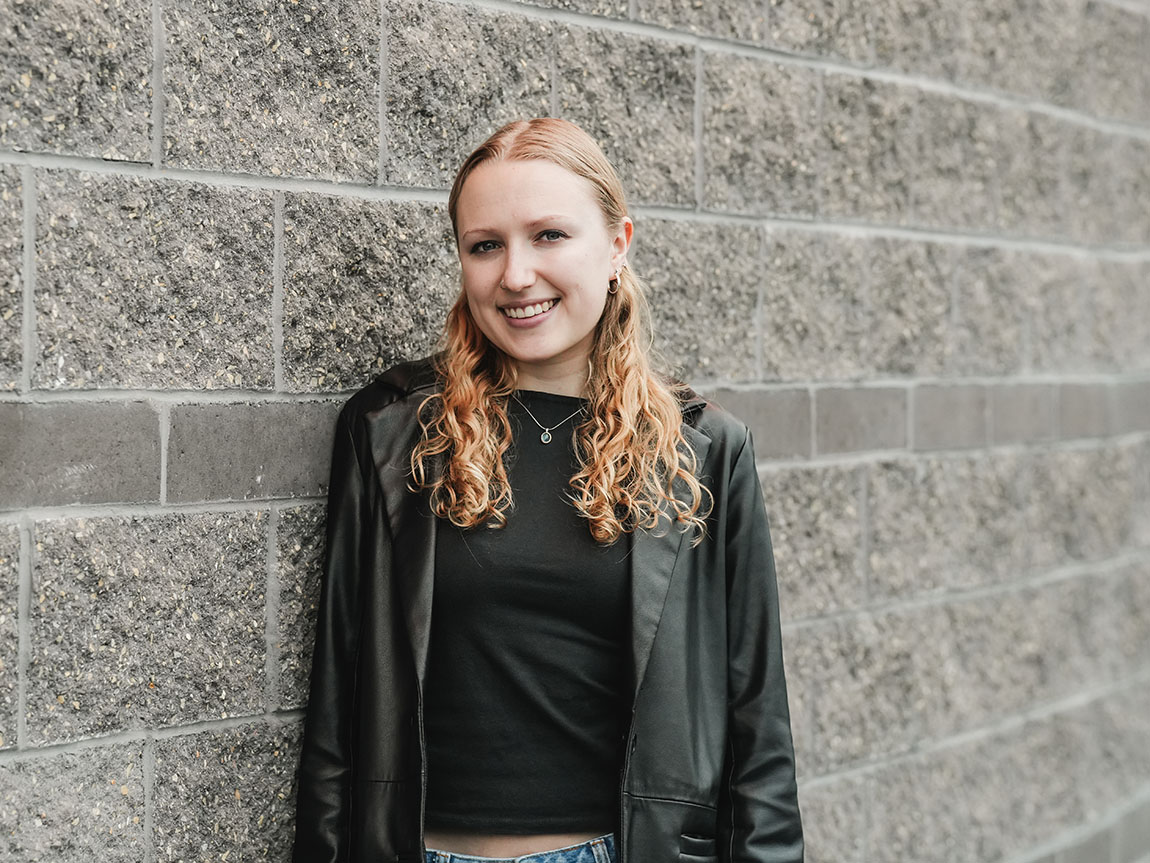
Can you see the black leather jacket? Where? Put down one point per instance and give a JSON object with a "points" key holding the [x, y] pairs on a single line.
{"points": [[709, 770]]}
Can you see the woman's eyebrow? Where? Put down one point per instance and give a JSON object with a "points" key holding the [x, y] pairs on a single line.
{"points": [[533, 225]]}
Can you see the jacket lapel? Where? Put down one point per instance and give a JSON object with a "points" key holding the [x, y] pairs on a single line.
{"points": [[414, 569], [653, 560]]}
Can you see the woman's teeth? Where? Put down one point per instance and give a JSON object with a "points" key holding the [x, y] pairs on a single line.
{"points": [[530, 311]]}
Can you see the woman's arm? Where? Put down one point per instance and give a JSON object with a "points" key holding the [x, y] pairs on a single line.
{"points": [[759, 814], [325, 772]]}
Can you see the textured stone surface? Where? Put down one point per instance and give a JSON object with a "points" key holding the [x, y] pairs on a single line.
{"points": [[1093, 198], [142, 283], [1118, 338], [827, 28], [949, 417], [75, 77], [816, 528], [705, 282], [918, 35], [955, 179], [851, 420], [1140, 520], [910, 299], [636, 97], [990, 289], [947, 522], [868, 150], [366, 284], [452, 80], [72, 807], [1118, 42], [1130, 167], [273, 87], [1080, 504], [726, 19], [1022, 413], [9, 635], [223, 795], [1056, 308], [11, 283], [301, 547], [780, 420], [1084, 410], [614, 8], [145, 622], [815, 318], [835, 816], [760, 136], [78, 453], [1032, 165], [243, 451]]}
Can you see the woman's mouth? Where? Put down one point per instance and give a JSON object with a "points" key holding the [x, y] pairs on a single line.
{"points": [[521, 312]]}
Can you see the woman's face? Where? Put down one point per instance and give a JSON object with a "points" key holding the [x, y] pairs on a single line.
{"points": [[537, 257]]}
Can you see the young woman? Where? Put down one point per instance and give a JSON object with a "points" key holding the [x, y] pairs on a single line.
{"points": [[549, 626]]}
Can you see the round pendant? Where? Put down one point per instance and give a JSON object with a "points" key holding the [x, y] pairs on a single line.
{"points": [[546, 436]]}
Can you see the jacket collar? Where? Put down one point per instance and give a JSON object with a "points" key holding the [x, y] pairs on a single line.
{"points": [[654, 556]]}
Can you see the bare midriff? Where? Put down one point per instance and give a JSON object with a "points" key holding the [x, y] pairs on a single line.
{"points": [[479, 845]]}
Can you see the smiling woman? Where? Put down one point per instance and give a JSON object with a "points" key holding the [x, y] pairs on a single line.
{"points": [[549, 623]]}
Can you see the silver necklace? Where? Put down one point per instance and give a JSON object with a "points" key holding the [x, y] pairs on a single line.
{"points": [[545, 437]]}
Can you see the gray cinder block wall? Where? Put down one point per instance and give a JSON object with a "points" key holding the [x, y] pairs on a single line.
{"points": [[907, 241]]}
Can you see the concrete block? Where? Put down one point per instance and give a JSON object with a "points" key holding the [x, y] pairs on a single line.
{"points": [[831, 28], [301, 542], [366, 284], [11, 281], [1032, 167], [1118, 42], [1084, 410], [76, 78], [991, 287], [1033, 48], [911, 307], [815, 319], [834, 820], [918, 35], [452, 80], [273, 87], [1131, 407], [1081, 504], [726, 19], [1118, 335], [816, 529], [945, 523], [61, 453], [704, 283], [854, 420], [1092, 196], [75, 806], [1115, 758], [1134, 834], [780, 420], [1140, 520], [1131, 180], [636, 97], [611, 8], [9, 633], [955, 179], [1055, 312], [868, 150], [144, 283], [226, 794], [1022, 413], [760, 136], [1129, 618], [244, 451], [134, 625], [950, 416]]}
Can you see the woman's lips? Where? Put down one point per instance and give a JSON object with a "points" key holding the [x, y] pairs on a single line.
{"points": [[521, 313]]}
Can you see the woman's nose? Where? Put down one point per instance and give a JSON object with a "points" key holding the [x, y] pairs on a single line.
{"points": [[518, 270]]}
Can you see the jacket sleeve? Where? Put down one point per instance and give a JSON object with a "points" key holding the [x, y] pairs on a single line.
{"points": [[325, 772], [759, 814]]}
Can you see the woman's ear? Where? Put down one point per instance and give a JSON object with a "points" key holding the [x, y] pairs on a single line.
{"points": [[621, 242]]}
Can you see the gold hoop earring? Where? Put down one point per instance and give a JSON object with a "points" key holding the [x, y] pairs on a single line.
{"points": [[613, 284]]}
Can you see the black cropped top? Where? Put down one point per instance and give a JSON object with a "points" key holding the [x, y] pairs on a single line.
{"points": [[524, 699]]}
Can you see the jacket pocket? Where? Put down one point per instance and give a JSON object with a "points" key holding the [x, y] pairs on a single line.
{"points": [[693, 848]]}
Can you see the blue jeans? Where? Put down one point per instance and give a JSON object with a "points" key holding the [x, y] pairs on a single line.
{"points": [[600, 850]]}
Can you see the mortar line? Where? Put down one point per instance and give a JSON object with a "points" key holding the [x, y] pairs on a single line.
{"points": [[118, 738], [23, 629], [697, 120], [164, 417], [28, 324], [157, 82], [149, 799], [382, 82], [278, 292], [154, 510], [271, 615]]}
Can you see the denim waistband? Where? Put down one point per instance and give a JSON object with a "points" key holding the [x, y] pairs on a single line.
{"points": [[598, 850]]}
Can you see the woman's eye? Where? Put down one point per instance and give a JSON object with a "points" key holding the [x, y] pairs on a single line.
{"points": [[483, 246], [552, 235]]}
